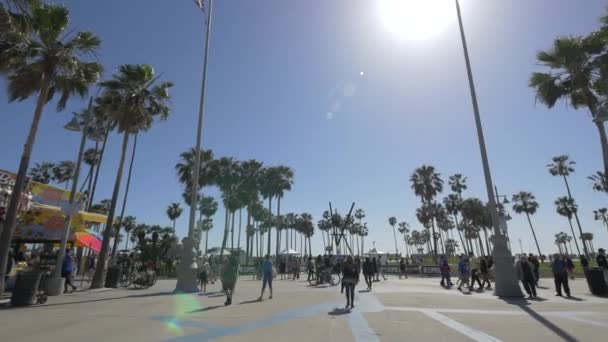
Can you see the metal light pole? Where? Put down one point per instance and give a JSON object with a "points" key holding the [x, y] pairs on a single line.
{"points": [[503, 214], [506, 281], [186, 276], [56, 283]]}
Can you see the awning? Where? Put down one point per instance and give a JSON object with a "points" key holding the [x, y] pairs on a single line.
{"points": [[289, 252]]}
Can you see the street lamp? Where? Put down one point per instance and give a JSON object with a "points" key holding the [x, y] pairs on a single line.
{"points": [[506, 280], [79, 123], [187, 270]]}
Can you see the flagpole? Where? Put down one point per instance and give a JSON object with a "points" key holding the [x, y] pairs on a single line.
{"points": [[187, 274]]}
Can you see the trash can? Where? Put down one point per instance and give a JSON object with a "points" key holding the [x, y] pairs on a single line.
{"points": [[596, 281], [112, 277], [26, 288]]}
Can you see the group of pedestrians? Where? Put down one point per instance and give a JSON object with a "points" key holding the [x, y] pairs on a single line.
{"points": [[471, 270]]}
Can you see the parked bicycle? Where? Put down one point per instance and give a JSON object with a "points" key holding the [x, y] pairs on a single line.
{"points": [[325, 276]]}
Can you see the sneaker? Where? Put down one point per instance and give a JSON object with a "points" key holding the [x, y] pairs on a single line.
{"points": [[270, 297], [559, 295], [260, 299], [352, 306]]}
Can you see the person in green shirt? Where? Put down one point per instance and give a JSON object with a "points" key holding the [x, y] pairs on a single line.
{"points": [[230, 273]]}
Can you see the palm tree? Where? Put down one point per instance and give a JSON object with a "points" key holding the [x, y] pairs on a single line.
{"points": [[364, 233], [91, 157], [42, 173], [404, 228], [426, 184], [126, 196], [207, 207], [185, 171], [601, 214], [476, 217], [393, 221], [128, 224], [588, 239], [284, 183], [600, 181], [43, 58], [574, 76], [525, 202], [458, 183], [63, 172], [251, 172], [173, 213], [134, 101], [562, 166], [567, 207], [452, 205]]}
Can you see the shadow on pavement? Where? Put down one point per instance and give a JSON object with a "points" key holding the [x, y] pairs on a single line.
{"points": [[575, 299], [364, 291], [250, 301], [339, 312], [524, 305], [209, 308]]}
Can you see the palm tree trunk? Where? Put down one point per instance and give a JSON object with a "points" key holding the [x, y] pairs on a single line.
{"points": [[578, 222], [124, 200], [233, 214], [101, 154], [604, 141], [441, 241], [270, 226], [280, 224], [482, 251], [574, 236], [97, 281], [535, 240], [488, 249], [206, 241], [20, 182], [226, 231], [323, 237], [434, 241], [238, 241], [395, 238]]}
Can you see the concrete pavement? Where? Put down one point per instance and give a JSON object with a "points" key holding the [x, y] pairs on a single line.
{"points": [[415, 308]]}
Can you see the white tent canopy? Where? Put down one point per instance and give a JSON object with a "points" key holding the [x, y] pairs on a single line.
{"points": [[289, 252], [374, 251], [217, 252]]}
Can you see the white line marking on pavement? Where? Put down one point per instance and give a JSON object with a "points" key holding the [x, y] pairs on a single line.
{"points": [[473, 334], [360, 328], [582, 320]]}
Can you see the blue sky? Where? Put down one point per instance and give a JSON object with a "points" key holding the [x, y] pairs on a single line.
{"points": [[285, 87]]}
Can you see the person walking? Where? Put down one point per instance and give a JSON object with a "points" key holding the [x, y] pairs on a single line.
{"points": [[484, 268], [601, 258], [463, 271], [229, 277], [525, 273], [67, 268], [570, 267], [310, 266], [475, 266], [444, 269], [402, 270], [560, 275], [267, 270], [536, 264], [203, 275], [368, 273], [350, 278], [375, 268]]}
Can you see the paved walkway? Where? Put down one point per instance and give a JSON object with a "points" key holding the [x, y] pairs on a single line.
{"points": [[396, 310]]}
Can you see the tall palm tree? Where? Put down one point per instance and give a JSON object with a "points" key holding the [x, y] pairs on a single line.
{"points": [[207, 207], [47, 59], [134, 101], [562, 166], [525, 202], [601, 214], [427, 184], [283, 184], [476, 217], [63, 172], [126, 195], [392, 221], [600, 181], [404, 228], [251, 172], [128, 224], [452, 205], [42, 172], [588, 239], [567, 207], [173, 213], [574, 76], [458, 184], [91, 157], [185, 171]]}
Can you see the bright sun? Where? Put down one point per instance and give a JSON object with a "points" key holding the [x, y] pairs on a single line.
{"points": [[416, 19]]}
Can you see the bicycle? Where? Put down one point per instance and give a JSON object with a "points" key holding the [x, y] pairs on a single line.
{"points": [[324, 277]]}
